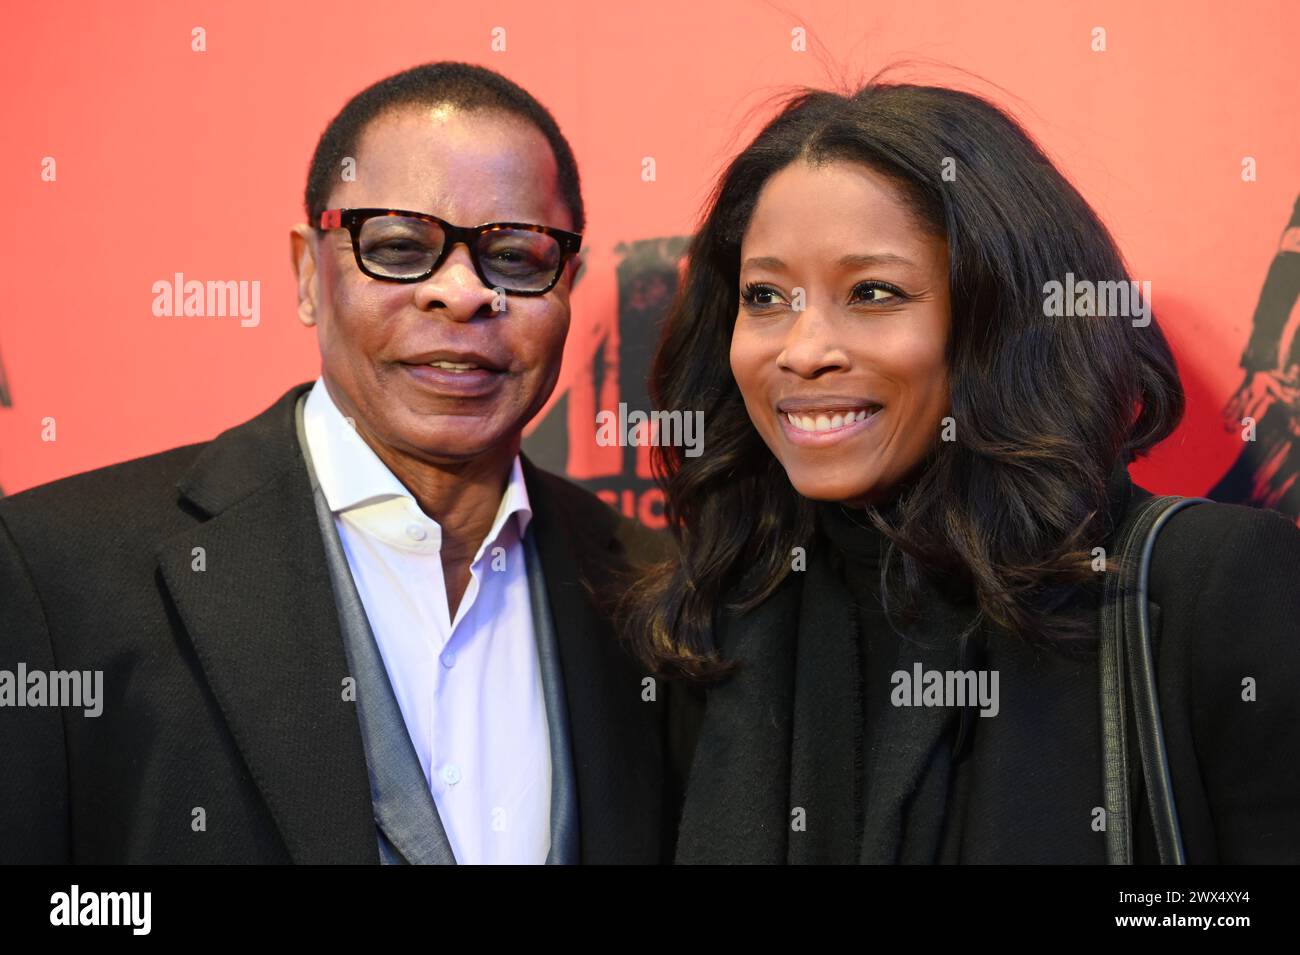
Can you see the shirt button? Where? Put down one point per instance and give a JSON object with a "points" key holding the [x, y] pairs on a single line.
{"points": [[448, 659], [416, 532], [451, 775]]}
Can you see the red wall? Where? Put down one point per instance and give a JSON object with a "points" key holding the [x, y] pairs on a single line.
{"points": [[170, 160]]}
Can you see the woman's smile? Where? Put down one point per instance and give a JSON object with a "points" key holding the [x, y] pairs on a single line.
{"points": [[827, 424]]}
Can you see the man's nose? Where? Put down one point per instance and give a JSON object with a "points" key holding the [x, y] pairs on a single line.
{"points": [[455, 288]]}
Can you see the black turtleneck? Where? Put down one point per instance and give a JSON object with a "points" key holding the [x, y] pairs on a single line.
{"points": [[858, 551], [851, 532]]}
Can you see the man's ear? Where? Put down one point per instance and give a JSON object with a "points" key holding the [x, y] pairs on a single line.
{"points": [[302, 252], [578, 266]]}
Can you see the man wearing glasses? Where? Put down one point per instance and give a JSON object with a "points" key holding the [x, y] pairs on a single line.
{"points": [[362, 626]]}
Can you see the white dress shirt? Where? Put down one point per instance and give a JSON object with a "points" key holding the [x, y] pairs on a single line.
{"points": [[470, 689]]}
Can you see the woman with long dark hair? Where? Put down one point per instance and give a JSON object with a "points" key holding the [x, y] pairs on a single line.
{"points": [[924, 368]]}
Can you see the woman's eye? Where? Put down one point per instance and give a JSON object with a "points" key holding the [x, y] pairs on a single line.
{"points": [[876, 292], [760, 295]]}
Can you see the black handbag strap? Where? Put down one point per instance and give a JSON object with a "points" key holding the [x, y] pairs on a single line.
{"points": [[1128, 679]]}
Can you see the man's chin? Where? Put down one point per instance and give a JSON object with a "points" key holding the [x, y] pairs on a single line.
{"points": [[459, 439]]}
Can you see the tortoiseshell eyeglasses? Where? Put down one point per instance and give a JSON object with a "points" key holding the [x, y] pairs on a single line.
{"points": [[395, 245]]}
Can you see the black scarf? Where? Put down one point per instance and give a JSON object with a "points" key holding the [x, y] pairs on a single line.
{"points": [[785, 769], [804, 674]]}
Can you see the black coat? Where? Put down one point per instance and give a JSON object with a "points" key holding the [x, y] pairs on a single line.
{"points": [[783, 739], [222, 689]]}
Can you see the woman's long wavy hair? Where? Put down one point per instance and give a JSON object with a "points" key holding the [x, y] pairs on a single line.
{"points": [[1045, 408]]}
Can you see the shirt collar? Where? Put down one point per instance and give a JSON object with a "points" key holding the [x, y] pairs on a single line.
{"points": [[359, 486]]}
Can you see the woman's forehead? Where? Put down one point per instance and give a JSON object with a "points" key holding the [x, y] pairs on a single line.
{"points": [[807, 210]]}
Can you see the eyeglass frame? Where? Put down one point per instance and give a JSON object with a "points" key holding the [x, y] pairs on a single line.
{"points": [[353, 219]]}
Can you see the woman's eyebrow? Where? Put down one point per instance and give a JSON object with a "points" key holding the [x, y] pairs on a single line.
{"points": [[878, 258], [763, 262], [847, 261]]}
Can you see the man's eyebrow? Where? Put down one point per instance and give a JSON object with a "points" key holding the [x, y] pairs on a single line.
{"points": [[846, 261]]}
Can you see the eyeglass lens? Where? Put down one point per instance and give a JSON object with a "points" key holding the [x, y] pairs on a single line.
{"points": [[513, 259]]}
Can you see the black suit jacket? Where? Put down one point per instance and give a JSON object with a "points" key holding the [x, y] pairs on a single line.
{"points": [[223, 688]]}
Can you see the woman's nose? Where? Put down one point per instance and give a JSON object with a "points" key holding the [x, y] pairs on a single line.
{"points": [[812, 345]]}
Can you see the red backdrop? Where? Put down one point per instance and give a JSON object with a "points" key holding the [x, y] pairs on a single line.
{"points": [[167, 159]]}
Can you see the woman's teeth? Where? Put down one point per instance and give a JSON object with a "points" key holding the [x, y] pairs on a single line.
{"points": [[453, 365], [823, 422]]}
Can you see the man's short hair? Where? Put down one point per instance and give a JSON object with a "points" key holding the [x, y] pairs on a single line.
{"points": [[460, 85]]}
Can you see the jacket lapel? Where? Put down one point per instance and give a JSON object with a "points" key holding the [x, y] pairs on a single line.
{"points": [[404, 807], [614, 733], [262, 619]]}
